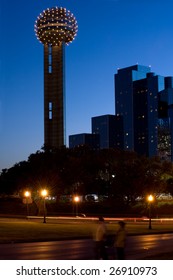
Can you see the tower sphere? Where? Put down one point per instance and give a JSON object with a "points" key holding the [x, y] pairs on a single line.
{"points": [[56, 25]]}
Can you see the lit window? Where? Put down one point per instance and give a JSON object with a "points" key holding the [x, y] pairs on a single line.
{"points": [[50, 106], [50, 110], [50, 115], [50, 69]]}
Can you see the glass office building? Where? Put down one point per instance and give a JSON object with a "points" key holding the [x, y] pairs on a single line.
{"points": [[145, 101], [84, 139], [110, 129], [124, 99], [144, 116], [107, 132], [165, 121]]}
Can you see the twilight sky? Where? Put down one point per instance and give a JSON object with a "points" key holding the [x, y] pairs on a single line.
{"points": [[112, 34]]}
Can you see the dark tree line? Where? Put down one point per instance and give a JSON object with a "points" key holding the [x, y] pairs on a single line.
{"points": [[118, 175]]}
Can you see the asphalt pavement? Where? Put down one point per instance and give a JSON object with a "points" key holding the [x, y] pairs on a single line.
{"points": [[137, 248]]}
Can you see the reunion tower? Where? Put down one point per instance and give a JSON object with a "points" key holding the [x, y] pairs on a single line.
{"points": [[54, 28]]}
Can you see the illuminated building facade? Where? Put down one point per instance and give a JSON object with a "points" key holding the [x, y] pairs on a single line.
{"points": [[54, 28], [124, 80], [145, 101]]}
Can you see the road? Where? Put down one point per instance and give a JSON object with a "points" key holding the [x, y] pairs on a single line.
{"points": [[137, 248]]}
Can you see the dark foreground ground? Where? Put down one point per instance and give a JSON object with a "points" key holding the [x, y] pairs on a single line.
{"points": [[161, 256], [19, 230]]}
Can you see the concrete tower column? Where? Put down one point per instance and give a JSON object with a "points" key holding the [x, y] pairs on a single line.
{"points": [[54, 96]]}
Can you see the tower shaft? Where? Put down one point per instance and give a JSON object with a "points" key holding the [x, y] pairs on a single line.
{"points": [[54, 95]]}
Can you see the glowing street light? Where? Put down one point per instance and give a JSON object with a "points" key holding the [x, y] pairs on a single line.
{"points": [[27, 194], [76, 200], [150, 199], [44, 194]]}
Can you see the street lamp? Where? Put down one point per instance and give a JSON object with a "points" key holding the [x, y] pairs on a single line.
{"points": [[44, 194], [76, 200], [27, 194], [150, 199]]}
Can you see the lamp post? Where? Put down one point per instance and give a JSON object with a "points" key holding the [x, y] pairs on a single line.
{"points": [[76, 200], [27, 194], [150, 199], [44, 194]]}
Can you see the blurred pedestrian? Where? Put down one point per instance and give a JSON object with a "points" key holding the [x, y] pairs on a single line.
{"points": [[100, 240], [120, 240]]}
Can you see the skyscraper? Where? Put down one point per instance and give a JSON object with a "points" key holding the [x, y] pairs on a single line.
{"points": [[145, 102], [54, 28], [124, 105]]}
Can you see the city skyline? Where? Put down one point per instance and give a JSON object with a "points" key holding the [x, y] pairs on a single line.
{"points": [[112, 34]]}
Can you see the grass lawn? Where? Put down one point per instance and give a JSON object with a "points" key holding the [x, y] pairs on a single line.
{"points": [[21, 230]]}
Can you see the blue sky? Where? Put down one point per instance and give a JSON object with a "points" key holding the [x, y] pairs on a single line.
{"points": [[112, 34]]}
